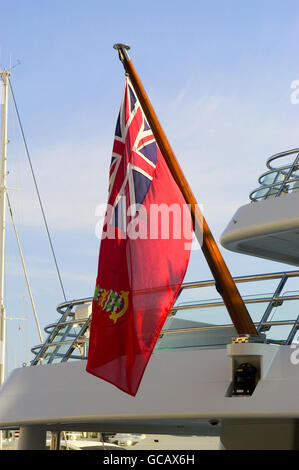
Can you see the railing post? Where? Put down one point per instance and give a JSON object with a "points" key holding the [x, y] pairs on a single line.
{"points": [[50, 337], [75, 342], [273, 302]]}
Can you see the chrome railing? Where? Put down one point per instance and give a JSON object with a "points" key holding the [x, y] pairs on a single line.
{"points": [[282, 179], [198, 318]]}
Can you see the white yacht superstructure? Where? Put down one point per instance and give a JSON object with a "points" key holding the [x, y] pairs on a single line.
{"points": [[203, 378], [187, 388]]}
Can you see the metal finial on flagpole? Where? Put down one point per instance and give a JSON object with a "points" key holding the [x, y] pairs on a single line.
{"points": [[122, 51]]}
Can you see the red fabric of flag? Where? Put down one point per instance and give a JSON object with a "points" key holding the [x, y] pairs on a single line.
{"points": [[144, 253]]}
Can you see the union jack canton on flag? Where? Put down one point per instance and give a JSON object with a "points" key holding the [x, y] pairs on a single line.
{"points": [[134, 159]]}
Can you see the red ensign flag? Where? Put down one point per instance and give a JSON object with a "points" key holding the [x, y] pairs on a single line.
{"points": [[144, 253]]}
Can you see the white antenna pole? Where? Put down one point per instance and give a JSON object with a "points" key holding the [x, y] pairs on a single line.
{"points": [[4, 106]]}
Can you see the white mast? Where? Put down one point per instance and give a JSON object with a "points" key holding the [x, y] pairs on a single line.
{"points": [[4, 106]]}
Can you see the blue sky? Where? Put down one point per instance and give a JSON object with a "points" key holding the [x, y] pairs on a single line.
{"points": [[218, 74]]}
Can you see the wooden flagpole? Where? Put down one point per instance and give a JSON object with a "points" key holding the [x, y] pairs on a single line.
{"points": [[224, 281]]}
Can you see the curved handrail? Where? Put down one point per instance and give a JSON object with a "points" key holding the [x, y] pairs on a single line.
{"points": [[284, 177], [71, 333], [279, 155], [36, 348], [189, 306], [270, 186], [274, 172]]}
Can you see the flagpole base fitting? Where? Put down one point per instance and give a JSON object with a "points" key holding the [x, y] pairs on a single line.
{"points": [[241, 339]]}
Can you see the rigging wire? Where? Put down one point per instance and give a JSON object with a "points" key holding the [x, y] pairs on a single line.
{"points": [[37, 191], [24, 268]]}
